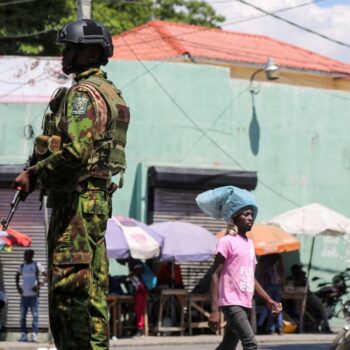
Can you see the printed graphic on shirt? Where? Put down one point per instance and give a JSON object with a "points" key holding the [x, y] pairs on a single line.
{"points": [[252, 253], [79, 105], [246, 283]]}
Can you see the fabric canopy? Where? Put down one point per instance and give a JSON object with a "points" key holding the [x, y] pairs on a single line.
{"points": [[184, 241], [126, 237], [11, 237], [269, 239]]}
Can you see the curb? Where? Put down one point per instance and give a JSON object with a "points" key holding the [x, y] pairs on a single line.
{"points": [[177, 340]]}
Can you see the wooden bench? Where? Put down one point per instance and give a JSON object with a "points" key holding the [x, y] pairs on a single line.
{"points": [[117, 304], [201, 303], [167, 296]]}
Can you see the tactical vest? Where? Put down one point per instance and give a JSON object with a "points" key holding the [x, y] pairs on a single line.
{"points": [[108, 155]]}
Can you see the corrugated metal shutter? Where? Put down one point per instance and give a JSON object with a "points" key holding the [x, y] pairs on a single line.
{"points": [[28, 220], [179, 204]]}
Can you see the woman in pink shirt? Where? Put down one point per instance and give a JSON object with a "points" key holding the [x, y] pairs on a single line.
{"points": [[233, 283]]}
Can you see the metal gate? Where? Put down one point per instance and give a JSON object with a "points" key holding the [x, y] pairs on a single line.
{"points": [[31, 221], [174, 204], [171, 196]]}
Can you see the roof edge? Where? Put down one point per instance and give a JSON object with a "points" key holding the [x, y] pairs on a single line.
{"points": [[168, 37]]}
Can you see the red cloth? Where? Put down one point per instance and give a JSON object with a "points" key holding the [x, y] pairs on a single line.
{"points": [[140, 302], [164, 276]]}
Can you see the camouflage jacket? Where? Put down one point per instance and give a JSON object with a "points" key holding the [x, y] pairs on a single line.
{"points": [[81, 121]]}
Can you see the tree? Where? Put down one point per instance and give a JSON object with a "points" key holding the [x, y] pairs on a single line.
{"points": [[29, 27]]}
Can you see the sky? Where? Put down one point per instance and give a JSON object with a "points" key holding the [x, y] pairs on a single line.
{"points": [[328, 17]]}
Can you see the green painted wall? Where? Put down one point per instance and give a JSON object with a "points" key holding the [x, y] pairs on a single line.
{"points": [[296, 138]]}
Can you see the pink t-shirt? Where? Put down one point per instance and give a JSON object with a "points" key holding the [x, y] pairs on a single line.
{"points": [[236, 285]]}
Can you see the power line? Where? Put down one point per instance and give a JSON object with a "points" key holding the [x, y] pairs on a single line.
{"points": [[26, 35], [225, 24], [247, 19], [15, 2], [179, 107], [23, 84], [147, 3], [203, 132], [215, 122], [295, 24], [177, 35]]}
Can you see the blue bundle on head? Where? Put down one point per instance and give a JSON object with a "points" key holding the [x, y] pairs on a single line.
{"points": [[225, 202]]}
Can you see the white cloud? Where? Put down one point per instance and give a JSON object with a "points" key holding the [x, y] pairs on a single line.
{"points": [[332, 21]]}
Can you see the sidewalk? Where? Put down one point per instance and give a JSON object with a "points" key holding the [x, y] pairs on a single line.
{"points": [[176, 340]]}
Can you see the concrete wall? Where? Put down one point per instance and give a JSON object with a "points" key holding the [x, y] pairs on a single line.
{"points": [[296, 138]]}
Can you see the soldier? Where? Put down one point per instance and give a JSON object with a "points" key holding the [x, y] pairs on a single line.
{"points": [[81, 148]]}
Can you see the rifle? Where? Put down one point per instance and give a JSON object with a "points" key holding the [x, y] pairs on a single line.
{"points": [[19, 196]]}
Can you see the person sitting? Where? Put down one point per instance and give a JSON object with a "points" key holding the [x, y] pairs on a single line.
{"points": [[313, 302], [140, 292], [118, 277], [272, 279], [203, 285], [165, 273]]}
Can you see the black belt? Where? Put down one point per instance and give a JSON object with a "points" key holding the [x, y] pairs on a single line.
{"points": [[95, 183]]}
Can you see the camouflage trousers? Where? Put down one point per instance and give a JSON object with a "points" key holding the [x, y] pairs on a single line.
{"points": [[78, 270]]}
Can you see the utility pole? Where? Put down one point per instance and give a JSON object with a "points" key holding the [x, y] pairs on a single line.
{"points": [[84, 9]]}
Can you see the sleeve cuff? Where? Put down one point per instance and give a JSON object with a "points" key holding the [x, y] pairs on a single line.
{"points": [[38, 167]]}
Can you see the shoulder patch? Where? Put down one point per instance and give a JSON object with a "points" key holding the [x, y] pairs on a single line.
{"points": [[79, 105]]}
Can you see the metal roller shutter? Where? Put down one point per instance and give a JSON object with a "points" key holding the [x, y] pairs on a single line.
{"points": [[31, 221], [171, 196], [175, 204]]}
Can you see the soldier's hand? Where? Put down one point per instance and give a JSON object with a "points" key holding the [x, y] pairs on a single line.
{"points": [[25, 180], [20, 290]]}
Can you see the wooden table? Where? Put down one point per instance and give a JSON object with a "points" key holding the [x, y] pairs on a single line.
{"points": [[166, 295], [298, 294], [198, 302], [115, 304]]}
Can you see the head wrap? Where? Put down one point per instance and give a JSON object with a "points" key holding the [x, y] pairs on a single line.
{"points": [[225, 202]]}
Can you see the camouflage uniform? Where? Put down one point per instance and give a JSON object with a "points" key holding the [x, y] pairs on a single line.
{"points": [[77, 176]]}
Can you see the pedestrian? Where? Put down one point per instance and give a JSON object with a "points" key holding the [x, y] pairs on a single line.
{"points": [[30, 272], [233, 282], [3, 303], [273, 281], [81, 148]]}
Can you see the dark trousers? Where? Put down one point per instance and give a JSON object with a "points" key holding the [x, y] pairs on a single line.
{"points": [[237, 328]]}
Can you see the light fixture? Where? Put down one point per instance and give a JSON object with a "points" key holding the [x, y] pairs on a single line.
{"points": [[28, 132], [271, 72]]}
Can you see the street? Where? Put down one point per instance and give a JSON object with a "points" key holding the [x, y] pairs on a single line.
{"points": [[265, 346]]}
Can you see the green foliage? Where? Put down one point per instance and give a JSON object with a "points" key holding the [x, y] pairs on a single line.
{"points": [[19, 21]]}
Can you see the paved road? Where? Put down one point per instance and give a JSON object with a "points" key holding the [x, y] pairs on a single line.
{"points": [[273, 346]]}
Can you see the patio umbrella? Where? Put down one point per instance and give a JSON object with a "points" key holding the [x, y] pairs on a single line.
{"points": [[314, 220], [126, 237], [269, 239], [184, 241], [11, 237]]}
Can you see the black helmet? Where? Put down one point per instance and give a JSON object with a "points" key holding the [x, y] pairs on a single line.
{"points": [[87, 31]]}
